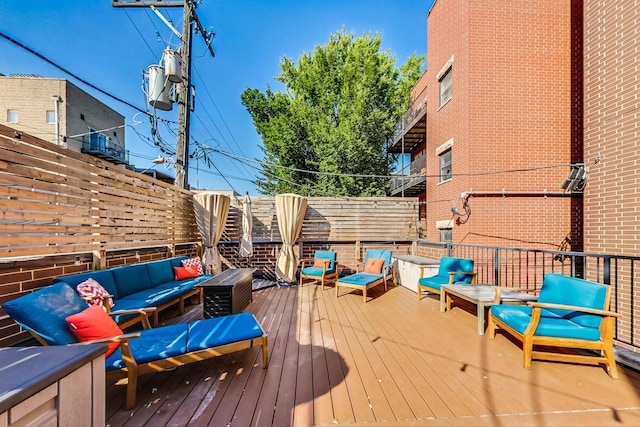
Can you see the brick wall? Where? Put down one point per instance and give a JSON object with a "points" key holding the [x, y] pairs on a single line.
{"points": [[611, 123], [514, 67]]}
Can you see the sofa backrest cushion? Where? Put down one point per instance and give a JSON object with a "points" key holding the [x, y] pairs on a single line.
{"points": [[131, 279], [104, 277], [448, 264], [177, 261], [45, 310], [160, 272], [330, 255], [559, 289], [384, 254]]}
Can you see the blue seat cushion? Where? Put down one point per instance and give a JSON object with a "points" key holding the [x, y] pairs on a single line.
{"points": [[104, 277], [360, 279], [434, 282], [315, 271], [222, 330], [153, 297], [131, 279], [550, 325], [153, 344], [45, 310]]}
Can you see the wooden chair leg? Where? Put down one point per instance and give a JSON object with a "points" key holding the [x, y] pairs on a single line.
{"points": [[419, 293], [265, 353], [491, 328], [527, 352], [612, 368], [132, 385], [364, 294]]}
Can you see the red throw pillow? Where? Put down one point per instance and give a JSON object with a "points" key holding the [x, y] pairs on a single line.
{"points": [[374, 266], [185, 272], [92, 324], [321, 262], [194, 262]]}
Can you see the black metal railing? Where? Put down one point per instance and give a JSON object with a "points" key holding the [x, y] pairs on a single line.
{"points": [[525, 268], [410, 173], [101, 145]]}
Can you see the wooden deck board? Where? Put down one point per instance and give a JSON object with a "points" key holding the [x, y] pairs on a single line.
{"points": [[390, 362]]}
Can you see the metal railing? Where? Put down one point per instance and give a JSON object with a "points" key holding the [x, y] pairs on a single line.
{"points": [[525, 268], [100, 145], [409, 173]]}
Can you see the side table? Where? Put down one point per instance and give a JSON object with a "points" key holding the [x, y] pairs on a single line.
{"points": [[227, 293]]}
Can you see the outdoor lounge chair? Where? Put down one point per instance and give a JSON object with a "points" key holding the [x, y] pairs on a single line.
{"points": [[368, 278], [323, 269], [451, 270], [44, 313], [570, 314]]}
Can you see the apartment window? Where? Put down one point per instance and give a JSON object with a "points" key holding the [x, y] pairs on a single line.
{"points": [[12, 116], [445, 87], [51, 117], [446, 235], [445, 165]]}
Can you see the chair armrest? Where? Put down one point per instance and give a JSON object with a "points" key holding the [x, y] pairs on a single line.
{"points": [[467, 273], [118, 338], [605, 313], [142, 312]]}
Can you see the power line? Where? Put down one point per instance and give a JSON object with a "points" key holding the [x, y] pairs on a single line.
{"points": [[75, 76]]}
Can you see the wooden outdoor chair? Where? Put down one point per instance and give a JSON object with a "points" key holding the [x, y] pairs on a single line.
{"points": [[322, 268], [377, 269], [44, 313], [451, 270], [570, 314]]}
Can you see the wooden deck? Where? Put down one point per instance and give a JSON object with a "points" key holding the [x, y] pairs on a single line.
{"points": [[391, 362]]}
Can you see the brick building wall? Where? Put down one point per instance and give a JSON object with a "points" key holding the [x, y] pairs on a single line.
{"points": [[612, 125], [513, 72], [32, 97]]}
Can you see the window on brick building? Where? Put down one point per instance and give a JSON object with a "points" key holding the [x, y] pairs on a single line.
{"points": [[446, 235], [51, 117], [12, 116], [445, 87], [445, 165]]}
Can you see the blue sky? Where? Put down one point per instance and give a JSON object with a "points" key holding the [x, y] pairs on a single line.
{"points": [[110, 47]]}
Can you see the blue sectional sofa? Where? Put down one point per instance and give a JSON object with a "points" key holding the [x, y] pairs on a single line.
{"points": [[147, 284]]}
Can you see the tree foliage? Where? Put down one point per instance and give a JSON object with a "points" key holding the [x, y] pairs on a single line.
{"points": [[339, 109]]}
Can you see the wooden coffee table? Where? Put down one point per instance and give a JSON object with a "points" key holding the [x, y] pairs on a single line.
{"points": [[482, 296]]}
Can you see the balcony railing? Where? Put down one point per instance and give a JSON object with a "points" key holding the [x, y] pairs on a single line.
{"points": [[100, 145], [404, 124], [525, 268], [410, 175]]}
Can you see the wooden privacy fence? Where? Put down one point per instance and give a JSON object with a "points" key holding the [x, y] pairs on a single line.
{"points": [[56, 201]]}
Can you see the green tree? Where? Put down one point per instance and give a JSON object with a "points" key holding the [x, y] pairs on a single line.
{"points": [[340, 107]]}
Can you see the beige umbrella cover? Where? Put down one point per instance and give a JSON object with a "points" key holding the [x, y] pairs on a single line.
{"points": [[246, 244], [290, 210], [212, 210]]}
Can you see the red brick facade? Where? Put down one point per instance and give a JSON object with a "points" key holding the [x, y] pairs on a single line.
{"points": [[514, 68], [612, 125]]}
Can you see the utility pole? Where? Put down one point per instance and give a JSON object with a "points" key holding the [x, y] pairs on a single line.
{"points": [[183, 89]]}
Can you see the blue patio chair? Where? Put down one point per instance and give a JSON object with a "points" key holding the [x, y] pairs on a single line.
{"points": [[364, 280], [44, 313], [322, 268], [451, 270], [570, 313]]}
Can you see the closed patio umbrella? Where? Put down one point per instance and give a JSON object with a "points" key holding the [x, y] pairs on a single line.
{"points": [[211, 216], [246, 244], [290, 210]]}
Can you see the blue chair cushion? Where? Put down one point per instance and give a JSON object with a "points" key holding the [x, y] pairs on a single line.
{"points": [[153, 344], [177, 261], [45, 310], [448, 264], [559, 289], [330, 255], [360, 279], [550, 325], [222, 330], [315, 271], [104, 277], [131, 279], [160, 272], [434, 282], [384, 254]]}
